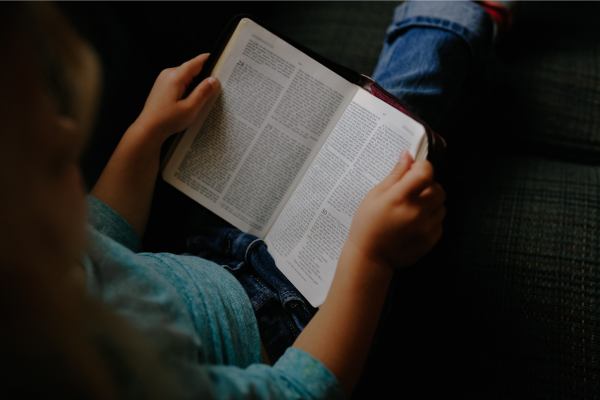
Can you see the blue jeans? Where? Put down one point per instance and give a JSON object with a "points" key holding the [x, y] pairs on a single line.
{"points": [[437, 57], [281, 311]]}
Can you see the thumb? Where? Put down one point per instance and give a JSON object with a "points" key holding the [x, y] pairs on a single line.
{"points": [[399, 170], [201, 94]]}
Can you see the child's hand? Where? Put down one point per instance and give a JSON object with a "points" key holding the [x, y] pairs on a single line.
{"points": [[166, 111], [401, 218]]}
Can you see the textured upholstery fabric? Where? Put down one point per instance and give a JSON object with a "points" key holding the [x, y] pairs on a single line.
{"points": [[525, 245], [508, 303], [553, 89], [350, 34]]}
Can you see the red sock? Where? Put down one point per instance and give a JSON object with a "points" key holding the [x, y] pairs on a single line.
{"points": [[502, 16]]}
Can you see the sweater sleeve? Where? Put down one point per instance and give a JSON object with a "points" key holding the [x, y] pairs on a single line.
{"points": [[108, 222], [296, 375]]}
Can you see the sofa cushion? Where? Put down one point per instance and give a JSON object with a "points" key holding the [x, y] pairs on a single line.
{"points": [[350, 34], [551, 93], [526, 243]]}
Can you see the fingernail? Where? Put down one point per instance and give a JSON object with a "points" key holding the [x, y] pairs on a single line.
{"points": [[404, 155], [214, 82]]}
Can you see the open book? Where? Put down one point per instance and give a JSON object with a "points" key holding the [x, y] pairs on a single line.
{"points": [[288, 149]]}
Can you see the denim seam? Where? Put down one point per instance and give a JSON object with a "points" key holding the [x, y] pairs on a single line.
{"points": [[257, 281], [290, 325], [268, 297], [265, 298], [257, 295], [254, 244], [293, 295]]}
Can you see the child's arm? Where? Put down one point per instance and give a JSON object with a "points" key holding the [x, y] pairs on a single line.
{"points": [[396, 224], [127, 182]]}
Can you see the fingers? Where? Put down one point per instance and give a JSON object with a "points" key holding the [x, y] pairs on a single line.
{"points": [[189, 69], [433, 196], [200, 95], [423, 244], [399, 170], [415, 180]]}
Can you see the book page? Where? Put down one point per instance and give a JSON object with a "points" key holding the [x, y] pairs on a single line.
{"points": [[307, 238], [251, 144]]}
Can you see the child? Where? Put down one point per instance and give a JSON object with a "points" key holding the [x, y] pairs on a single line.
{"points": [[169, 325]]}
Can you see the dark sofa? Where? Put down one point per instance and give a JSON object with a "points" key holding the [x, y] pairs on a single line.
{"points": [[507, 305]]}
